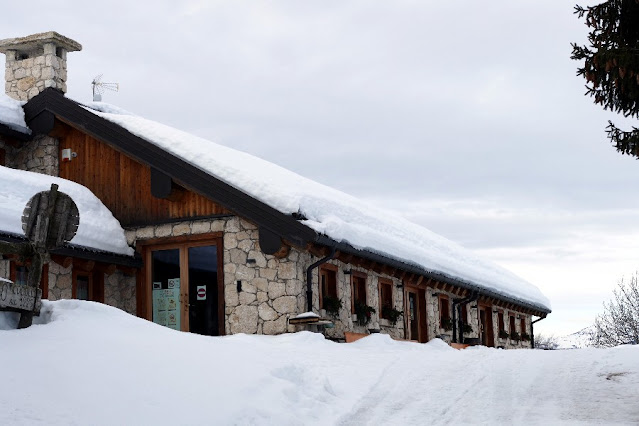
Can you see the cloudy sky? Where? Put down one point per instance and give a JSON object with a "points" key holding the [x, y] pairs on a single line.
{"points": [[463, 116]]}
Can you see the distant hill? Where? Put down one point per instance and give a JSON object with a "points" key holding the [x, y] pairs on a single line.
{"points": [[579, 339]]}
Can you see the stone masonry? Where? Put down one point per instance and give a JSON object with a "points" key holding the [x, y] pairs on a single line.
{"points": [[272, 290], [36, 62], [39, 155]]}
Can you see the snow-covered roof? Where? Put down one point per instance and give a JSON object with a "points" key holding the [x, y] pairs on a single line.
{"points": [[98, 228], [12, 115], [328, 211]]}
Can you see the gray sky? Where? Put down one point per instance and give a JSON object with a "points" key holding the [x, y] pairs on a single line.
{"points": [[463, 116]]}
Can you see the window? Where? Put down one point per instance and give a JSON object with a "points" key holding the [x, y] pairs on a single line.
{"points": [[512, 325], [21, 273], [82, 288], [358, 284], [464, 313], [328, 283], [522, 326], [385, 297], [18, 273], [87, 285], [502, 326], [444, 313]]}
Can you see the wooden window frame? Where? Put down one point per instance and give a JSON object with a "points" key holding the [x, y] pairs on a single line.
{"points": [[74, 285], [512, 324], [381, 282], [183, 243], [326, 268], [501, 325], [444, 300], [44, 279], [464, 313], [355, 276], [522, 326]]}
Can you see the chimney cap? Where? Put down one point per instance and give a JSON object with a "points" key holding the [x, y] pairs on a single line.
{"points": [[32, 41]]}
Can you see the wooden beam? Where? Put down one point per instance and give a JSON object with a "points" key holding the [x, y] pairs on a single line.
{"points": [[84, 265], [128, 270], [64, 261]]}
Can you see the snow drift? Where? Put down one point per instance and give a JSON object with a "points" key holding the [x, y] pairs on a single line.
{"points": [[87, 363]]}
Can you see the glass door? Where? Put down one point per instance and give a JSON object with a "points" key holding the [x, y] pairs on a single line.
{"points": [[166, 280], [203, 295], [185, 287]]}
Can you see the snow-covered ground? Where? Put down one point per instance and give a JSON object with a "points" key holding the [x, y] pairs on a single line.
{"points": [[87, 363]]}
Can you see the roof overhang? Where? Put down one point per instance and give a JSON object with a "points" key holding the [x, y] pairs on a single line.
{"points": [[40, 115]]}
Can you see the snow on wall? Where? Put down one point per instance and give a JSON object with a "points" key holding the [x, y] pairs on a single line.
{"points": [[12, 115], [98, 228], [328, 211]]}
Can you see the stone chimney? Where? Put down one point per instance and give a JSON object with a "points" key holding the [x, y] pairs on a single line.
{"points": [[36, 62]]}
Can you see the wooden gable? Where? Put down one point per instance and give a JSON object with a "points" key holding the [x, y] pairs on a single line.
{"points": [[123, 184]]}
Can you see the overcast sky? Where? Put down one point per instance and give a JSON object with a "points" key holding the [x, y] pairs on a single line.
{"points": [[466, 117]]}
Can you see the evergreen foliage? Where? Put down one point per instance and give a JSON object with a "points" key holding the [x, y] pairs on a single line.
{"points": [[611, 64]]}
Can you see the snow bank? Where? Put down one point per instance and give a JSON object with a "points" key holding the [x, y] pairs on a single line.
{"points": [[87, 363], [12, 115], [98, 228], [329, 211]]}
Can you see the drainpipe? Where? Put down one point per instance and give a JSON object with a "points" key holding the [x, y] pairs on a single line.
{"points": [[532, 335], [309, 278], [457, 305]]}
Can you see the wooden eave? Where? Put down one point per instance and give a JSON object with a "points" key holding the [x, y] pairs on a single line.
{"points": [[12, 136], [73, 251], [40, 115]]}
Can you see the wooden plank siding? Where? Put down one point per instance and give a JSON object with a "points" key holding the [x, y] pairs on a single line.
{"points": [[123, 184]]}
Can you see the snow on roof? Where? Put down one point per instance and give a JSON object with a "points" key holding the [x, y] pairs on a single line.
{"points": [[328, 211], [12, 115], [98, 228]]}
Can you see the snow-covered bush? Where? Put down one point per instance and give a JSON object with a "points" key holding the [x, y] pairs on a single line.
{"points": [[619, 322]]}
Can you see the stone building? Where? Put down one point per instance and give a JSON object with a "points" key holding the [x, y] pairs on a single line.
{"points": [[228, 243]]}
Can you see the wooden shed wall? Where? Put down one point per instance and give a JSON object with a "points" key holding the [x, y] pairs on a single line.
{"points": [[123, 184]]}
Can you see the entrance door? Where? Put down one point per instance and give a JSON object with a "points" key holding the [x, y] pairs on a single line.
{"points": [[412, 315], [203, 295], [415, 314], [185, 287], [486, 326]]}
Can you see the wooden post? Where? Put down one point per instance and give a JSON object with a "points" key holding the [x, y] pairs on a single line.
{"points": [[50, 219]]}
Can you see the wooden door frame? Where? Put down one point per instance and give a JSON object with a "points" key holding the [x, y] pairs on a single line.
{"points": [[183, 243], [422, 321], [489, 320]]}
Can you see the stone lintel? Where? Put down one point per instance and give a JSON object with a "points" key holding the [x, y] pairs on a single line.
{"points": [[36, 41]]}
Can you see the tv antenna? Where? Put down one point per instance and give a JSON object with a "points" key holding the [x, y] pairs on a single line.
{"points": [[100, 86]]}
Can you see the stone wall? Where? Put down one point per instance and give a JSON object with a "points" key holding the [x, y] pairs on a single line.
{"points": [[509, 343], [26, 78], [346, 320], [60, 281], [270, 291], [39, 155], [4, 268], [119, 291]]}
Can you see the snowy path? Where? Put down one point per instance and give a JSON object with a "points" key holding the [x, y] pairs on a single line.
{"points": [[92, 364], [507, 387]]}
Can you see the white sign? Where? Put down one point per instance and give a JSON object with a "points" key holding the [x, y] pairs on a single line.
{"points": [[201, 292], [18, 296]]}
